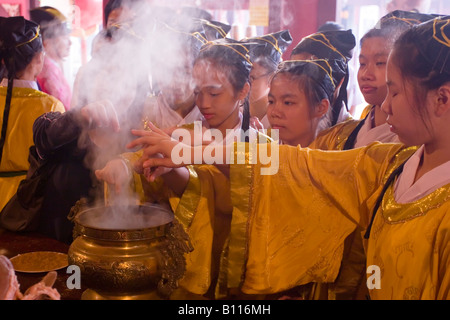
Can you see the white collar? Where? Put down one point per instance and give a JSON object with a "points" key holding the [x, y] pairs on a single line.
{"points": [[21, 84], [406, 190]]}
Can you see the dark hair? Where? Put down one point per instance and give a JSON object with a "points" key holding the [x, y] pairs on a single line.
{"points": [[416, 69], [268, 64], [237, 69], [110, 7], [315, 83], [336, 45], [53, 23], [330, 26], [388, 33], [20, 41]]}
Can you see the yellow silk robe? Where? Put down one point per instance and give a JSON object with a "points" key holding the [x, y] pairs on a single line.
{"points": [[288, 229], [334, 138], [26, 105], [348, 283], [366, 111]]}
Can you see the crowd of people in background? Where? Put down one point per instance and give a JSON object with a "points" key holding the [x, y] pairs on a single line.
{"points": [[347, 193]]}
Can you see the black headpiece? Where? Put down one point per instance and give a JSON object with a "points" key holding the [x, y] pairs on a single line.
{"points": [[229, 48], [337, 44], [433, 42], [20, 40], [271, 45], [320, 70], [403, 19], [53, 23]]}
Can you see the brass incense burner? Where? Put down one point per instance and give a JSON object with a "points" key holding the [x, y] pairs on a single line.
{"points": [[134, 252]]}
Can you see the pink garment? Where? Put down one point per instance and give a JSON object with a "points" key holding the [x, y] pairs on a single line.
{"points": [[52, 81]]}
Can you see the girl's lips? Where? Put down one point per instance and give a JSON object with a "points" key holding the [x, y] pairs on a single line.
{"points": [[368, 89], [208, 116], [391, 127]]}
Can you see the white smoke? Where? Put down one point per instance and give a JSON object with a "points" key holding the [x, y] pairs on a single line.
{"points": [[123, 70]]}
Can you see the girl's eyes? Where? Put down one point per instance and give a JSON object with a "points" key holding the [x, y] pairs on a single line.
{"points": [[287, 103], [379, 64], [212, 94]]}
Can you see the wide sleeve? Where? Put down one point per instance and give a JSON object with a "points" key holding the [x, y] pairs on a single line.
{"points": [[299, 217], [334, 138], [54, 131], [205, 212]]}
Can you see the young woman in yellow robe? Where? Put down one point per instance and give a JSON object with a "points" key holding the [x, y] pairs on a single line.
{"points": [[292, 229], [375, 45], [21, 101], [221, 75]]}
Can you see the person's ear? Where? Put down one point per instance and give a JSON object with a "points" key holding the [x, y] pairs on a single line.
{"points": [[322, 108], [443, 100], [42, 56], [244, 92]]}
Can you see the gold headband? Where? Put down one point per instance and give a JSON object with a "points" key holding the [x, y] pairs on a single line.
{"points": [[328, 72], [229, 45], [32, 39], [446, 40], [327, 43], [128, 29], [275, 45], [195, 34], [409, 21], [219, 29]]}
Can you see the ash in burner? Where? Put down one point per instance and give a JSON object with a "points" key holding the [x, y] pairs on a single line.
{"points": [[125, 218]]}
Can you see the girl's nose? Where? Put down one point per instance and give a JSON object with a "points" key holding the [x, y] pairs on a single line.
{"points": [[386, 106]]}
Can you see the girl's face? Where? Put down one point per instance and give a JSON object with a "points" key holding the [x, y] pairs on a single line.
{"points": [[289, 111], [215, 95], [403, 118], [259, 79], [372, 70], [58, 47]]}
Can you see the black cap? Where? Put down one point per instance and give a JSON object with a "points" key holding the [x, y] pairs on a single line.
{"points": [[231, 48], [336, 44], [17, 31], [320, 70], [433, 42], [402, 19], [53, 23], [271, 45], [216, 30]]}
